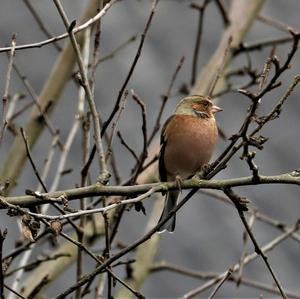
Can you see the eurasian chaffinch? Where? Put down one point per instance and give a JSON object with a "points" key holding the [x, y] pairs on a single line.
{"points": [[188, 139]]}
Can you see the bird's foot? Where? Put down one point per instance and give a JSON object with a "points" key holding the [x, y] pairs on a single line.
{"points": [[178, 181], [205, 169]]}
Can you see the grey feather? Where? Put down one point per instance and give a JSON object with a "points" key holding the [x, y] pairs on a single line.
{"points": [[170, 203]]}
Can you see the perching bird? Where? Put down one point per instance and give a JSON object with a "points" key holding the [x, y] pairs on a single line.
{"points": [[188, 139]]}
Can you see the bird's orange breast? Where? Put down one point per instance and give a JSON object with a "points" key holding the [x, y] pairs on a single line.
{"points": [[190, 142]]}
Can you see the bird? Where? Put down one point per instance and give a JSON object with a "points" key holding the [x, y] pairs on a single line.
{"points": [[188, 139]]}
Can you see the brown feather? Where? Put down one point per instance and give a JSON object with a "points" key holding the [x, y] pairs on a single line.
{"points": [[190, 144], [187, 141]]}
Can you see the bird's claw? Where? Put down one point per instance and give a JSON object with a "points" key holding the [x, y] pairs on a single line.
{"points": [[178, 181]]}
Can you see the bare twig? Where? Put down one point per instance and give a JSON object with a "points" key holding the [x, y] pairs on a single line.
{"points": [[64, 155], [32, 162], [221, 282], [6, 88], [148, 235], [104, 175], [223, 11], [48, 162], [40, 23], [21, 111], [275, 112], [221, 69], [43, 112], [135, 60], [144, 153], [165, 98], [274, 23], [40, 179], [96, 50], [250, 258], [244, 253], [255, 214], [235, 199], [39, 260], [99, 290], [248, 47], [14, 292], [114, 126], [82, 27], [255, 98], [113, 53], [161, 266], [123, 142], [80, 119], [102, 210], [201, 10], [12, 106], [2, 238]]}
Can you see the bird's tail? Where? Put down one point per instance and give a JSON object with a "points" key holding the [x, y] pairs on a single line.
{"points": [[170, 203]]}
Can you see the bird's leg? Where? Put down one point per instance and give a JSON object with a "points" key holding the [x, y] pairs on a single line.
{"points": [[178, 181], [205, 169]]}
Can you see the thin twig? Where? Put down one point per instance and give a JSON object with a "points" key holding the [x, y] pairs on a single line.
{"points": [[127, 146], [40, 23], [107, 254], [6, 88], [220, 283], [148, 235], [223, 11], [21, 111], [48, 162], [115, 125], [64, 155], [102, 210], [2, 238], [96, 50], [201, 10], [12, 106], [132, 68], [255, 46], [274, 23], [43, 112], [113, 53], [99, 290], [79, 119], [82, 27], [165, 98], [40, 260], [244, 252], [275, 112], [161, 266], [14, 292], [257, 215], [27, 254], [269, 246], [144, 153], [266, 70], [221, 69], [235, 199], [32, 162], [40, 179], [104, 175], [226, 155]]}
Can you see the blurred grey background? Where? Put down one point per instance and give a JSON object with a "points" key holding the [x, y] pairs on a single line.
{"points": [[208, 235]]}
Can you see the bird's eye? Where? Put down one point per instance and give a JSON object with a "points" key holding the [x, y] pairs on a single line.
{"points": [[205, 104]]}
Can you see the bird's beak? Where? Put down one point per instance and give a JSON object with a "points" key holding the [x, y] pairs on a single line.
{"points": [[215, 109]]}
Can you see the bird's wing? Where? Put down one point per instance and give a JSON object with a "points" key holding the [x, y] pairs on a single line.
{"points": [[163, 142]]}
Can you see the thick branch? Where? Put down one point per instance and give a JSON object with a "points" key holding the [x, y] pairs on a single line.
{"points": [[292, 178]]}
